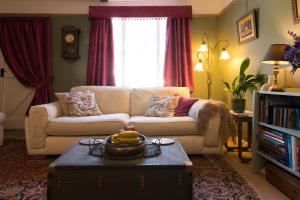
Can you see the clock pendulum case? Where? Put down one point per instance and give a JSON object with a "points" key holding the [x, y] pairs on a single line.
{"points": [[70, 43]]}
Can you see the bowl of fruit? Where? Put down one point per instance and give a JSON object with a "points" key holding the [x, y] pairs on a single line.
{"points": [[125, 143]]}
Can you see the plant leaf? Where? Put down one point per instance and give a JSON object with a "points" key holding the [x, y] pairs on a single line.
{"points": [[249, 76], [227, 85], [233, 82], [245, 64]]}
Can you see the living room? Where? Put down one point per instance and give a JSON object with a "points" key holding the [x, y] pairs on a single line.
{"points": [[141, 59]]}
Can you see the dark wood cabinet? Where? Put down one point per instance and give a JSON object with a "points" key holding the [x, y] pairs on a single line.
{"points": [[78, 175]]}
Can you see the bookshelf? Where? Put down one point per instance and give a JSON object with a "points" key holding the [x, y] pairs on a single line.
{"points": [[260, 157]]}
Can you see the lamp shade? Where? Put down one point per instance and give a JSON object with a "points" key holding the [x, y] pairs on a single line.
{"points": [[199, 67], [224, 55], [275, 55], [203, 47]]}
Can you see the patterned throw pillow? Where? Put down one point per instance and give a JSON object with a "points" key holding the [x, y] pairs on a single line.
{"points": [[82, 104], [162, 106], [184, 106]]}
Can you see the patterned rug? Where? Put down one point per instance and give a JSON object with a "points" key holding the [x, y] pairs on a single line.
{"points": [[22, 177]]}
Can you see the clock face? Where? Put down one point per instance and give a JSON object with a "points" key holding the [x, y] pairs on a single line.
{"points": [[69, 37]]}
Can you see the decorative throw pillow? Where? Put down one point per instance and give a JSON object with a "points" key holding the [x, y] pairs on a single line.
{"points": [[162, 106], [82, 104], [64, 106], [184, 106]]}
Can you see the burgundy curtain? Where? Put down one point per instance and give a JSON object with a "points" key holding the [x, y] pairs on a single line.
{"points": [[178, 69], [26, 47], [101, 57], [100, 69]]}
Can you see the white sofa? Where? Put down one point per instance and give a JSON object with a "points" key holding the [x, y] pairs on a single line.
{"points": [[48, 132]]}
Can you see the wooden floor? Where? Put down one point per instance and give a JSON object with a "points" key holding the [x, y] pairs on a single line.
{"points": [[266, 191], [258, 181]]}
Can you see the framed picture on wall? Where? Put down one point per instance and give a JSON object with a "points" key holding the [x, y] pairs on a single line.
{"points": [[246, 27], [296, 10]]}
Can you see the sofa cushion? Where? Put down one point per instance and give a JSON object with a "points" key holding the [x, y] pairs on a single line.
{"points": [[140, 97], [82, 104], [164, 125], [162, 106], [184, 106], [88, 125], [110, 99], [62, 103]]}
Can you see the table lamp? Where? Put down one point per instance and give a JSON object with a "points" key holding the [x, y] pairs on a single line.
{"points": [[275, 56]]}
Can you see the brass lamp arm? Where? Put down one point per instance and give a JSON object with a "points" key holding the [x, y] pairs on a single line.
{"points": [[205, 58], [218, 44]]}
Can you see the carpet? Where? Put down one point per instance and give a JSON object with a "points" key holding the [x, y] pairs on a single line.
{"points": [[22, 177]]}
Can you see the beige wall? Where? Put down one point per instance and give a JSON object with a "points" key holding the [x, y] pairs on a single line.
{"points": [[274, 20]]}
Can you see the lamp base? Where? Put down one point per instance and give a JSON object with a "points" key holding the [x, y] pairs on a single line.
{"points": [[275, 88]]}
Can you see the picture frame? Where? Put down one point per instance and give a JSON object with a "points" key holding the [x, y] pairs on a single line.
{"points": [[296, 10], [246, 28]]}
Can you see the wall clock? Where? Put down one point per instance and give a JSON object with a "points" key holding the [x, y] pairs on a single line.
{"points": [[70, 43]]}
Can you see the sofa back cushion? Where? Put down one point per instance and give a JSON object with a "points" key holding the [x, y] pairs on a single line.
{"points": [[110, 99], [140, 97]]}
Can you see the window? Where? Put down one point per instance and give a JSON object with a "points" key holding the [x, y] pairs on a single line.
{"points": [[139, 51]]}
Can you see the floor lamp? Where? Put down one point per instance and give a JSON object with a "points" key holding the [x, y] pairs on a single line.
{"points": [[205, 54]]}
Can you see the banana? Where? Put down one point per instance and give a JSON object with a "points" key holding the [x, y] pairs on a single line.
{"points": [[128, 134], [126, 137], [114, 138], [128, 140]]}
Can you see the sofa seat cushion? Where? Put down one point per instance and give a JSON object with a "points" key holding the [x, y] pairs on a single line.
{"points": [[164, 125], [88, 125]]}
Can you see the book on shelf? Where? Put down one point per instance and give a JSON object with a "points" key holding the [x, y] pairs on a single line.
{"points": [[280, 146], [279, 111], [276, 135]]}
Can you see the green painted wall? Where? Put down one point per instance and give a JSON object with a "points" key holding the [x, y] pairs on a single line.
{"points": [[274, 20], [69, 74]]}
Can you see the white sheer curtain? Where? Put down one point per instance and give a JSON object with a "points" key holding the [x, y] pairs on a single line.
{"points": [[139, 49]]}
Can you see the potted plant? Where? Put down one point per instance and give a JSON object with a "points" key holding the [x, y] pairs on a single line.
{"points": [[241, 84]]}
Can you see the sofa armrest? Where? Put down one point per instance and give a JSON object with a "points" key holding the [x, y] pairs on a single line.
{"points": [[39, 116], [211, 133], [196, 108]]}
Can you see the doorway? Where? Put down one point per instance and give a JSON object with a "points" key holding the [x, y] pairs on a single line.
{"points": [[14, 97]]}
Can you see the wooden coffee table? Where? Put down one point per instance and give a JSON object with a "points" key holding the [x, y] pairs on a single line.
{"points": [[78, 175]]}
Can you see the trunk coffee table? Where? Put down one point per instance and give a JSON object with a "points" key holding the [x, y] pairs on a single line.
{"points": [[78, 175]]}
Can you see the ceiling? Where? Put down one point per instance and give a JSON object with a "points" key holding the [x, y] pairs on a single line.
{"points": [[200, 7]]}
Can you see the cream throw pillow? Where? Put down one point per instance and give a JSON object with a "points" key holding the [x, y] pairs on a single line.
{"points": [[164, 106], [80, 104], [64, 106]]}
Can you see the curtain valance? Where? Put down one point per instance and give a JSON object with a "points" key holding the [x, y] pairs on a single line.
{"points": [[140, 11]]}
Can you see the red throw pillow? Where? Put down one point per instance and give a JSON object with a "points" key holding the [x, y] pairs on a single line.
{"points": [[184, 106]]}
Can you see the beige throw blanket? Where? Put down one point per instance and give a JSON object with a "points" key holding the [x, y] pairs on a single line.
{"points": [[204, 110]]}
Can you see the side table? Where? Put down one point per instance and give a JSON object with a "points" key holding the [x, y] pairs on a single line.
{"points": [[240, 118]]}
